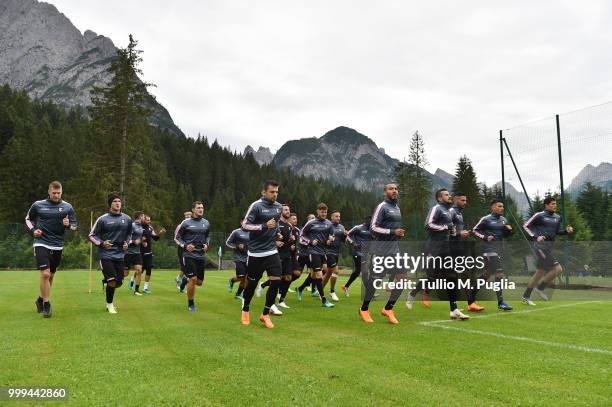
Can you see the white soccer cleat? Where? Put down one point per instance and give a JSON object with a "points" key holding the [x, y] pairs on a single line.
{"points": [[527, 301], [409, 301], [541, 294], [334, 296], [275, 311], [458, 315], [283, 305], [259, 290], [111, 309]]}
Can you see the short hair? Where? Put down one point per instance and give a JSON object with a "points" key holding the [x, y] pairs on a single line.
{"points": [[138, 214], [55, 185], [287, 205], [322, 207], [311, 215], [335, 211], [187, 213], [269, 183], [439, 192], [112, 196], [549, 199], [292, 214], [496, 201], [458, 194], [388, 185], [196, 203]]}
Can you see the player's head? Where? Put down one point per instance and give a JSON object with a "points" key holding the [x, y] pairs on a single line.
{"points": [[391, 191], [286, 212], [55, 191], [443, 196], [310, 216], [197, 208], [322, 211], [293, 220], [188, 214], [114, 202], [460, 200], [147, 220], [139, 216], [335, 217], [270, 190], [550, 204], [497, 206], [367, 220]]}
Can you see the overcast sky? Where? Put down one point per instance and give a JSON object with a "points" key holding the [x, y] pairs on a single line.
{"points": [[263, 72]]}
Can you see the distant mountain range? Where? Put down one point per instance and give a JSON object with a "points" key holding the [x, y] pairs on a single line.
{"points": [[600, 176], [43, 53]]}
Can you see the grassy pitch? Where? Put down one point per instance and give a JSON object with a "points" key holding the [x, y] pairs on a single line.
{"points": [[154, 352]]}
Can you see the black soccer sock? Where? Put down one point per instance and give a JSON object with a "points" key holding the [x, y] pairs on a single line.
{"points": [[527, 292], [240, 290], [247, 295], [189, 302], [137, 287], [110, 294], [271, 295], [452, 293], [284, 288], [305, 284], [369, 294], [265, 284], [184, 283], [352, 278], [318, 282], [395, 294], [542, 286], [498, 293]]}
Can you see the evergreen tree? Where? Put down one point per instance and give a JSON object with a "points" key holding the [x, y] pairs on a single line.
{"points": [[465, 181], [592, 202]]}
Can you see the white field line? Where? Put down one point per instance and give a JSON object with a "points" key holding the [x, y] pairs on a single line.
{"points": [[442, 324]]}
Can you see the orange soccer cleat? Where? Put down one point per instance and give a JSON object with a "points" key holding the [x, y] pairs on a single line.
{"points": [[266, 320], [390, 316], [245, 318], [475, 307], [425, 301], [365, 316]]}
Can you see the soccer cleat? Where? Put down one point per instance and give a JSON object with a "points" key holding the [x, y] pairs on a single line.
{"points": [[47, 310], [390, 316], [327, 304], [259, 290], [527, 301], [130, 285], [458, 315], [111, 309], [475, 307], [334, 296], [275, 310], [346, 290], [147, 291], [138, 293], [245, 318], [266, 320], [425, 301], [541, 294], [409, 301], [39, 305], [283, 305], [298, 294], [315, 293], [365, 316], [191, 308], [230, 285], [503, 306]]}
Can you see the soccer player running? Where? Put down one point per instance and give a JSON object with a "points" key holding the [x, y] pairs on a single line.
{"points": [[356, 237], [543, 227], [194, 237], [180, 280], [386, 228], [133, 257], [315, 235], [47, 220], [111, 233], [261, 220], [238, 241], [332, 254], [304, 261], [492, 229], [146, 249]]}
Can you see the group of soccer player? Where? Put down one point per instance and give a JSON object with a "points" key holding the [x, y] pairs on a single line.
{"points": [[270, 241]]}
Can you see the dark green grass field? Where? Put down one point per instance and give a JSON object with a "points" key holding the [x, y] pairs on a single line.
{"points": [[154, 352]]}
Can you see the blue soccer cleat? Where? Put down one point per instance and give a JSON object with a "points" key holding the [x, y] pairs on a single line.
{"points": [[191, 308], [503, 306], [327, 304]]}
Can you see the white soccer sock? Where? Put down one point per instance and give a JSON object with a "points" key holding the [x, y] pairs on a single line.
{"points": [[146, 286], [131, 279]]}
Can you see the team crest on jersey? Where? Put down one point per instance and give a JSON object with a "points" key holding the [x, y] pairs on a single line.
{"points": [[122, 220], [61, 209]]}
